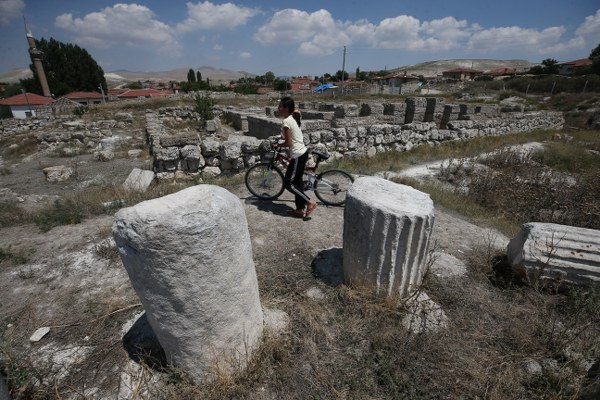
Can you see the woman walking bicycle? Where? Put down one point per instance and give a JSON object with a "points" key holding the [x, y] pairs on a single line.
{"points": [[294, 140]]}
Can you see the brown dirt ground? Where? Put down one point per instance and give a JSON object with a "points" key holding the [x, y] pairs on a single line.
{"points": [[72, 283]]}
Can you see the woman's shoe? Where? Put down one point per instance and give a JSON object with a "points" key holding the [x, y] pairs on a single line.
{"points": [[296, 213]]}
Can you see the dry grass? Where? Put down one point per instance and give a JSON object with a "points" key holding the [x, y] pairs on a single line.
{"points": [[351, 345], [558, 184]]}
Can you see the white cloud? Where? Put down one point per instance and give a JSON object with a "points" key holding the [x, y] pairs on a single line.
{"points": [[10, 9], [516, 39], [130, 25], [245, 54], [206, 15], [590, 27], [218, 47], [318, 33]]}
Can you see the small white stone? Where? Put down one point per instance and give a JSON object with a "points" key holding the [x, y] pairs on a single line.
{"points": [[315, 293], [39, 334]]}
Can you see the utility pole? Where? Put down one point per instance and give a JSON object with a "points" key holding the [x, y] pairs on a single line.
{"points": [[343, 66], [102, 90]]}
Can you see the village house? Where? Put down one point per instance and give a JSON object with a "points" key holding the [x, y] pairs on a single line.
{"points": [[461, 74], [398, 83], [85, 98], [572, 67], [25, 105], [501, 73], [143, 94], [303, 84]]}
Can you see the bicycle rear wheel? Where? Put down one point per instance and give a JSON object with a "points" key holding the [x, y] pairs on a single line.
{"points": [[265, 181], [331, 186]]}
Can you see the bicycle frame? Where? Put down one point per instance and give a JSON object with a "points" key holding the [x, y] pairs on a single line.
{"points": [[310, 172], [265, 179], [282, 157]]}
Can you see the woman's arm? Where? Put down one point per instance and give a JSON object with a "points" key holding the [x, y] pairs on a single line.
{"points": [[287, 137]]}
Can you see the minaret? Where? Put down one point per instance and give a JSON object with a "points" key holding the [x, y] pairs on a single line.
{"points": [[36, 59]]}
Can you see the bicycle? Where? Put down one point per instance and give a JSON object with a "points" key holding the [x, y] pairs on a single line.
{"points": [[265, 179]]}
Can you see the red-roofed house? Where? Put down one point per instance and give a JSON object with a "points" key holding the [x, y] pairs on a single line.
{"points": [[85, 98], [303, 84], [503, 71], [571, 67], [144, 93], [461, 74], [24, 105]]}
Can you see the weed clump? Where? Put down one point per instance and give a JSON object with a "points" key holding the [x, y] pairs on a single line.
{"points": [[63, 212]]}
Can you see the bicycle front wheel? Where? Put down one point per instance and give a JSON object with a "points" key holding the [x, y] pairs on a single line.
{"points": [[331, 186], [265, 181]]}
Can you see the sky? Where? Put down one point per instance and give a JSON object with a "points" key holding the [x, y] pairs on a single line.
{"points": [[301, 38]]}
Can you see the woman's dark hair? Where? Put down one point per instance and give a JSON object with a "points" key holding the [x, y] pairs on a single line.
{"points": [[288, 102]]}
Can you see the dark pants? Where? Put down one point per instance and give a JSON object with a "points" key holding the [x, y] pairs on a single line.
{"points": [[293, 180]]}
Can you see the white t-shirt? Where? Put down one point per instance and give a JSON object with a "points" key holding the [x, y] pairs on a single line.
{"points": [[297, 148]]}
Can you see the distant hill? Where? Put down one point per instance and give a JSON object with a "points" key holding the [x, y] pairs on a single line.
{"points": [[122, 76], [179, 74], [14, 75], [435, 68], [429, 68]]}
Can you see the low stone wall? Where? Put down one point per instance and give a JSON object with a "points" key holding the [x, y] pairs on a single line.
{"points": [[11, 126], [179, 155], [346, 130]]}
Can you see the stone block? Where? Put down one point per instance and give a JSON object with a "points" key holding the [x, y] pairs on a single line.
{"points": [[138, 180], [189, 258], [386, 236], [58, 173], [179, 140], [554, 253]]}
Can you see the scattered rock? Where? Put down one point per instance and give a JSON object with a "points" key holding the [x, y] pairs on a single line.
{"points": [[424, 315], [315, 293], [447, 266], [39, 334], [139, 180], [275, 320], [532, 367], [58, 173]]}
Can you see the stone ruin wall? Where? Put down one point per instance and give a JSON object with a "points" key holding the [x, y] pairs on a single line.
{"points": [[343, 129], [346, 130], [354, 130]]}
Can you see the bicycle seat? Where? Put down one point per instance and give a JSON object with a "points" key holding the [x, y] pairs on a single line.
{"points": [[320, 155]]}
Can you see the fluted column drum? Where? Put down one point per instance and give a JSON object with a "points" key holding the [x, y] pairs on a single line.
{"points": [[387, 227]]}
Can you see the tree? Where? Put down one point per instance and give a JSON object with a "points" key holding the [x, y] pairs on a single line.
{"points": [[246, 88], [361, 75], [135, 85], [595, 57], [198, 76], [549, 66], [67, 67], [281, 85], [11, 90], [339, 76], [191, 76], [269, 77]]}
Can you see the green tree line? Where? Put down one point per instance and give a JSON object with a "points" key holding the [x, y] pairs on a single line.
{"points": [[68, 68]]}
